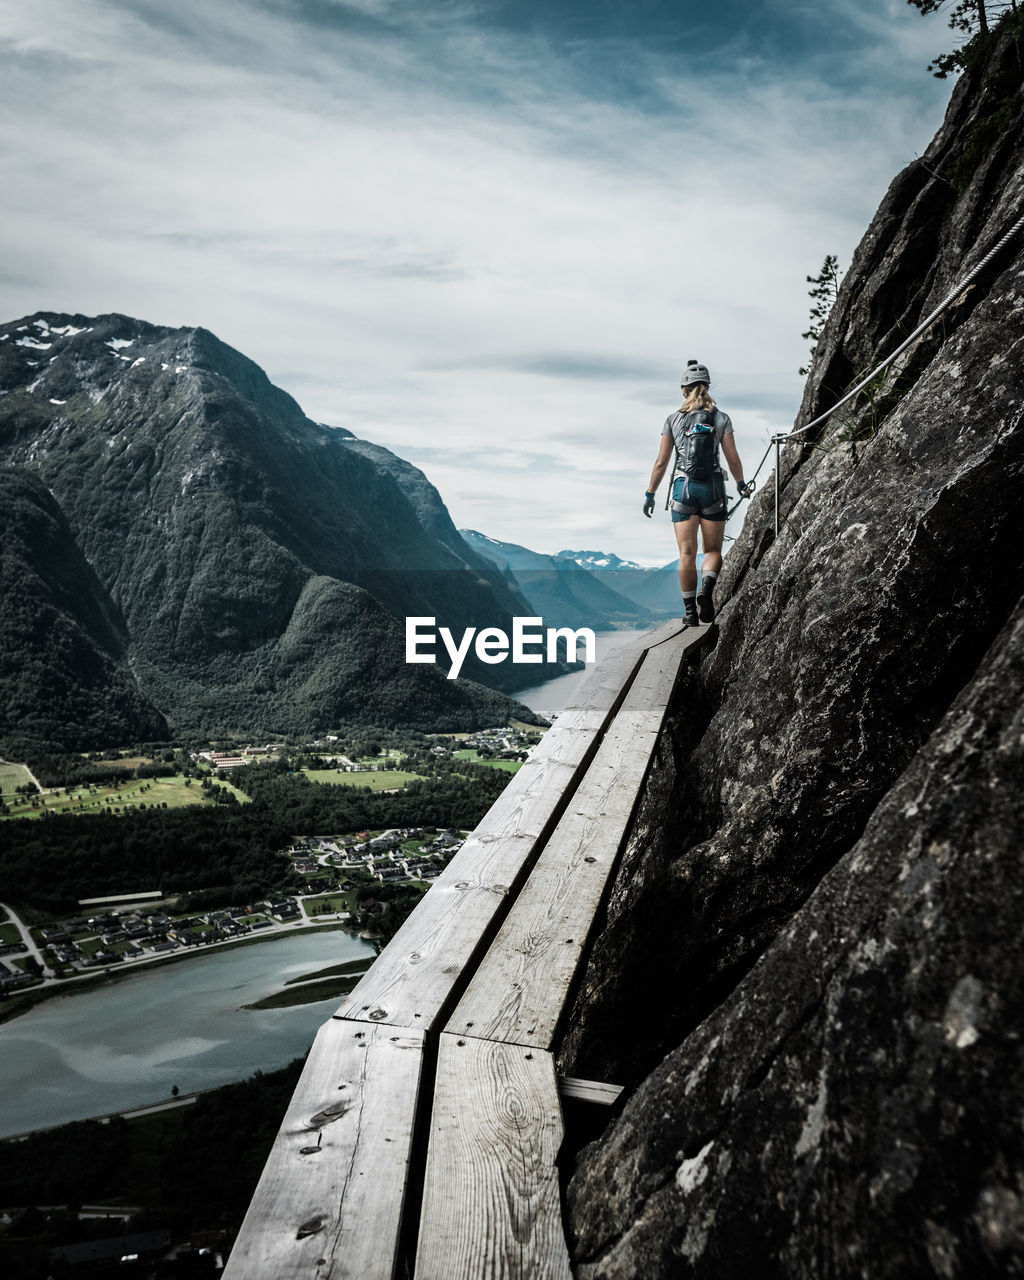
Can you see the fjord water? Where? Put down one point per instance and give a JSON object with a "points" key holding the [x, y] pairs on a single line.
{"points": [[129, 1043], [552, 696]]}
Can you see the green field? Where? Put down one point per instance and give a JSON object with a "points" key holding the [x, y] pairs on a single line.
{"points": [[468, 753], [376, 780], [334, 902], [306, 993], [9, 933], [151, 792], [13, 776], [348, 967]]}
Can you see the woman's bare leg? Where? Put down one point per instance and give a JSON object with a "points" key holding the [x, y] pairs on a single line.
{"points": [[686, 541], [712, 535]]}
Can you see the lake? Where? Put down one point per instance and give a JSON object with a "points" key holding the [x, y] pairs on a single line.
{"points": [[128, 1044], [552, 696]]}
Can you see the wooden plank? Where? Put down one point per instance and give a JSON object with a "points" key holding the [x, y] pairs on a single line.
{"points": [[331, 1197], [492, 1204], [519, 990], [603, 1095], [416, 978], [611, 675]]}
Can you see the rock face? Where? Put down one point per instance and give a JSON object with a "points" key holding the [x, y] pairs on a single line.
{"points": [[263, 564], [810, 974]]}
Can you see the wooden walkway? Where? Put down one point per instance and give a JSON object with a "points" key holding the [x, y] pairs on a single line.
{"points": [[448, 1041]]}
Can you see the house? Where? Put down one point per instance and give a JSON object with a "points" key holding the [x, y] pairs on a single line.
{"points": [[388, 874]]}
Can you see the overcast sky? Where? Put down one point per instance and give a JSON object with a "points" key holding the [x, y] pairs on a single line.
{"points": [[486, 234]]}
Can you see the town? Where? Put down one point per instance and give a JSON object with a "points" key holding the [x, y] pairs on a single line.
{"points": [[336, 880]]}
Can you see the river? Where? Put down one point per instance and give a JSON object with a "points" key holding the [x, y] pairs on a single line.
{"points": [[551, 696], [128, 1044]]}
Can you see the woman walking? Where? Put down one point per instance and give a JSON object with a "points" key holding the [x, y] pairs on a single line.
{"points": [[696, 432]]}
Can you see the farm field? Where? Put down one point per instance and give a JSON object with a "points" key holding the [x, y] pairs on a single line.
{"points": [[13, 776], [376, 780], [468, 753], [171, 793]]}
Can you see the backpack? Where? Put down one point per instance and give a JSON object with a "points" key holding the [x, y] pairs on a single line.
{"points": [[697, 452]]}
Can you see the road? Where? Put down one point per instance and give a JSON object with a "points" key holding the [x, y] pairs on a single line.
{"points": [[275, 930], [26, 937]]}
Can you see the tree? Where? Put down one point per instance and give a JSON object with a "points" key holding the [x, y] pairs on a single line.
{"points": [[968, 16], [824, 293]]}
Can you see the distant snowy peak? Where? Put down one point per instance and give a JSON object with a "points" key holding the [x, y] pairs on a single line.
{"points": [[597, 560]]}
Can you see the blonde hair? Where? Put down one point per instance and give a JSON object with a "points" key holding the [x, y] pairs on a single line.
{"points": [[697, 398]]}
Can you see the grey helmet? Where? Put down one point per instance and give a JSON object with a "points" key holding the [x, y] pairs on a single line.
{"points": [[695, 372]]}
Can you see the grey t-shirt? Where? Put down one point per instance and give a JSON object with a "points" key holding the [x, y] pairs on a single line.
{"points": [[677, 423]]}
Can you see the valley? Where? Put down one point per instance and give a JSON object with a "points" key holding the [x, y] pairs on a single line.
{"points": [[367, 879]]}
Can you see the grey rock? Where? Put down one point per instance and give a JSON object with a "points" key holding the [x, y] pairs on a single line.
{"points": [[808, 976], [853, 1107]]}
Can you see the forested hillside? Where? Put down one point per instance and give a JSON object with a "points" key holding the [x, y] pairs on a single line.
{"points": [[64, 670], [260, 566]]}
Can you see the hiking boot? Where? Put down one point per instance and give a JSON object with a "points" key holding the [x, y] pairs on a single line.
{"points": [[705, 600], [690, 618]]}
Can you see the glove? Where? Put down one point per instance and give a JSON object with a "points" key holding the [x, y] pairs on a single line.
{"points": [[648, 503], [745, 490]]}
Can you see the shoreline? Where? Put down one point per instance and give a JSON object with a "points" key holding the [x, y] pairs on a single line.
{"points": [[91, 981], [130, 1113]]}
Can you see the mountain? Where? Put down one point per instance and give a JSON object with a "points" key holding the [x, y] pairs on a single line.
{"points": [[262, 564], [656, 591], [561, 593], [64, 670], [825, 871]]}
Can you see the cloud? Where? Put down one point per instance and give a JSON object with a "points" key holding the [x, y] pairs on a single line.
{"points": [[484, 235]]}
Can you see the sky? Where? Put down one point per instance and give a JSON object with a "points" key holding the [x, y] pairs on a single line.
{"points": [[487, 234]]}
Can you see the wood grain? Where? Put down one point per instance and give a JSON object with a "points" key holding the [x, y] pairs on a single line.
{"points": [[492, 1205], [415, 980], [595, 1091], [330, 1200], [520, 987]]}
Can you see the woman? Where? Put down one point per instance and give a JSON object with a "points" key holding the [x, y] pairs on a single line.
{"points": [[696, 432]]}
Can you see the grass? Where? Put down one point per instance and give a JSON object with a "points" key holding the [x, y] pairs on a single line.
{"points": [[521, 725], [470, 753], [376, 780], [13, 776], [335, 902], [151, 792], [240, 796], [349, 967], [306, 993], [9, 933], [327, 903]]}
